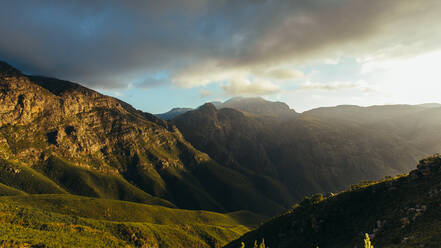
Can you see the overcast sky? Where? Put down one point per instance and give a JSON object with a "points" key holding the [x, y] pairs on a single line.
{"points": [[161, 54]]}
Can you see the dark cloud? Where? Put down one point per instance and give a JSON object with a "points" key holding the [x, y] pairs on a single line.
{"points": [[109, 44]]}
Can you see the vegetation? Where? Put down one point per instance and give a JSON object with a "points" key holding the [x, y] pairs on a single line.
{"points": [[396, 212], [74, 221], [367, 243]]}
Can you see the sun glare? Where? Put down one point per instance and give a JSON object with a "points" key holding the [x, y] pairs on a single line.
{"points": [[411, 80]]}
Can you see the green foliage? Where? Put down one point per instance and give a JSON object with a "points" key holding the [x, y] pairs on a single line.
{"points": [[309, 201], [434, 160], [74, 221]]}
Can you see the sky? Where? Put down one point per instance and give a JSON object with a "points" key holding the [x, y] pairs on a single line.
{"points": [[157, 55]]}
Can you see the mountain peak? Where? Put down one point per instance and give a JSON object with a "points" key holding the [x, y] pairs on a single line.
{"points": [[208, 107], [258, 105]]}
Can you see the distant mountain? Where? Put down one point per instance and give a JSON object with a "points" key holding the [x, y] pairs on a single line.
{"points": [[249, 105], [173, 113], [430, 105], [258, 106], [396, 212], [417, 125], [298, 155]]}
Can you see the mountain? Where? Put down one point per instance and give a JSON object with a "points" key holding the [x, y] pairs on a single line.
{"points": [[173, 113], [430, 105], [298, 154], [258, 106], [418, 125], [396, 212], [60, 137], [249, 105]]}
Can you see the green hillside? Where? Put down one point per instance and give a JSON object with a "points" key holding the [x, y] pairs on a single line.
{"points": [[27, 179], [56, 176], [396, 212], [74, 221]]}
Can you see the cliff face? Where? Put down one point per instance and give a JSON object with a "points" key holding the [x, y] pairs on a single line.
{"points": [[41, 116]]}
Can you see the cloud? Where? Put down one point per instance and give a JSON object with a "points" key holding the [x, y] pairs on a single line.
{"points": [[205, 93], [284, 74], [334, 85], [245, 87], [107, 44], [151, 83]]}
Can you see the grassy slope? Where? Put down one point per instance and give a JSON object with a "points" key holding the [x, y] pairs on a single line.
{"points": [[86, 182], [6, 191], [75, 221], [400, 212], [56, 176], [27, 179]]}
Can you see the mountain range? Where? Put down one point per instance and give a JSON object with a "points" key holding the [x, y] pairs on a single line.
{"points": [[71, 144], [321, 150]]}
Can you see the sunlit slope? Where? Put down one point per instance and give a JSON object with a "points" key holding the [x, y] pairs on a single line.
{"points": [[56, 176], [75, 221]]}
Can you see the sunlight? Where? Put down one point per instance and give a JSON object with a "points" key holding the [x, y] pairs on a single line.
{"points": [[411, 80]]}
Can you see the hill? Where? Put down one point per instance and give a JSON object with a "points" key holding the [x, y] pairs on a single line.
{"points": [[74, 221], [396, 212]]}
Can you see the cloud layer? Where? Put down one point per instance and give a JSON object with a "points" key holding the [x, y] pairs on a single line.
{"points": [[111, 44]]}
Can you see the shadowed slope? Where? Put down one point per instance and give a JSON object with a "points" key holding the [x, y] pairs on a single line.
{"points": [[397, 212]]}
